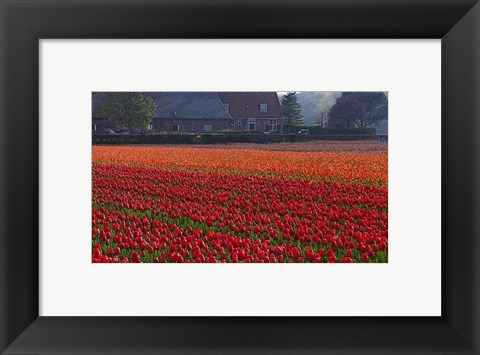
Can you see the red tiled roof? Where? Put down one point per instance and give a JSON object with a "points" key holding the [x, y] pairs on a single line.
{"points": [[238, 101]]}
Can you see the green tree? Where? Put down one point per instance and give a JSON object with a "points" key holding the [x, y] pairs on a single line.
{"points": [[291, 110], [129, 109]]}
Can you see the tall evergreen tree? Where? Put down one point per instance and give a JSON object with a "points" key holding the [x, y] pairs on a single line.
{"points": [[129, 109], [291, 110]]}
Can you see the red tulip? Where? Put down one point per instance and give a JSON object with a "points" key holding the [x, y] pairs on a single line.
{"points": [[135, 258]]}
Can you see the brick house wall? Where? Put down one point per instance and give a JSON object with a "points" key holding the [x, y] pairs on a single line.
{"points": [[253, 111], [258, 124], [100, 126], [189, 125]]}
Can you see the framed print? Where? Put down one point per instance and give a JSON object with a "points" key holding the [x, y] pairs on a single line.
{"points": [[414, 285]]}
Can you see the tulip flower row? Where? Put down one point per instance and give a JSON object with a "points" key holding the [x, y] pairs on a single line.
{"points": [[355, 168], [147, 213]]}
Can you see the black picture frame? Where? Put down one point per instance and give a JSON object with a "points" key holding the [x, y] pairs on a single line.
{"points": [[23, 23]]}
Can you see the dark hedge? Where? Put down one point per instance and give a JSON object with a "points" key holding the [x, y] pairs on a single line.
{"points": [[102, 139]]}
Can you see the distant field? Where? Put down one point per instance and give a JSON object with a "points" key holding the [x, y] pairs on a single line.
{"points": [[315, 146]]}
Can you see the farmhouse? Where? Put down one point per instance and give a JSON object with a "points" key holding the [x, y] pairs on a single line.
{"points": [[190, 112], [203, 112], [253, 111]]}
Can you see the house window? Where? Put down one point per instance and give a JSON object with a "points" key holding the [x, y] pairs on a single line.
{"points": [[272, 127], [239, 122], [248, 107], [206, 128], [263, 107], [154, 127], [251, 124], [175, 128]]}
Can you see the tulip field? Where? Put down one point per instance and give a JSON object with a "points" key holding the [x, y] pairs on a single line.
{"points": [[187, 204]]}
